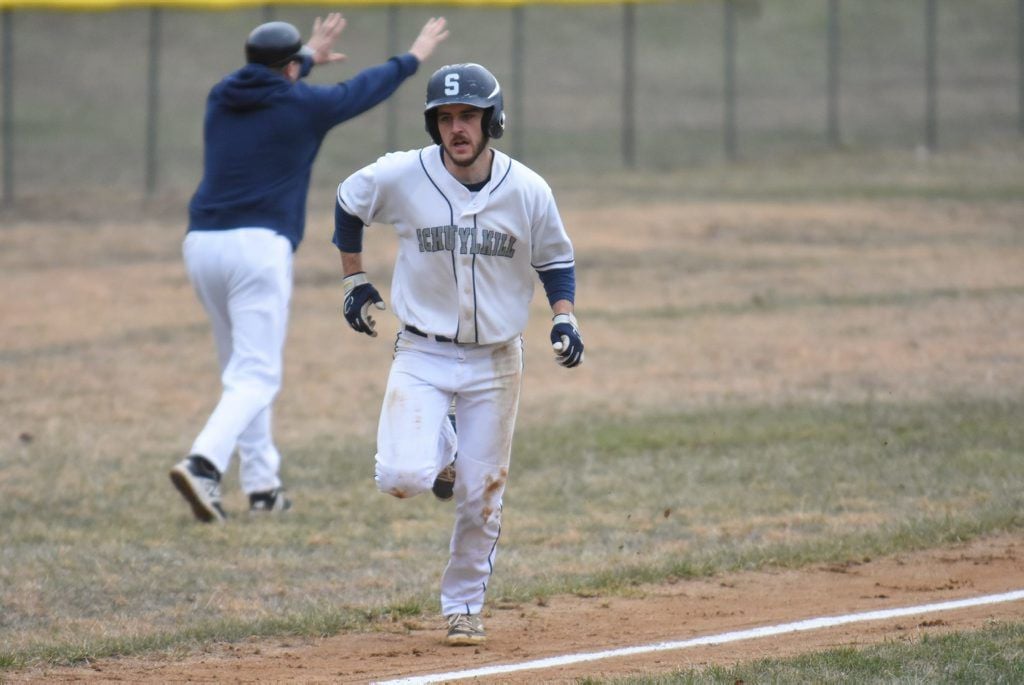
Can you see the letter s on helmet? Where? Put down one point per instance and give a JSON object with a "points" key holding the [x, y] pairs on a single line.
{"points": [[465, 84]]}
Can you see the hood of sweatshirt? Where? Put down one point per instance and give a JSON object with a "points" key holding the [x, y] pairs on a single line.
{"points": [[251, 87]]}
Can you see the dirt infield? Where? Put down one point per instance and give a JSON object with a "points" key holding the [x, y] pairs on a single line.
{"points": [[568, 625]]}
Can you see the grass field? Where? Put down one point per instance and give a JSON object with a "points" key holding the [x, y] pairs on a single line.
{"points": [[992, 655], [784, 367]]}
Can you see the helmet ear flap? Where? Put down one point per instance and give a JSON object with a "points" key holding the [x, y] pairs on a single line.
{"points": [[496, 125], [430, 120]]}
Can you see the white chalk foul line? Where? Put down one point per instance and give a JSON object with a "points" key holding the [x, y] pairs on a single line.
{"points": [[722, 638]]}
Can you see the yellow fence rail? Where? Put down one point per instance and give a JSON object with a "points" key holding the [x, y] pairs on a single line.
{"points": [[109, 5]]}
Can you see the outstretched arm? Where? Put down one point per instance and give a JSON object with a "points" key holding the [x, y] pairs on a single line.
{"points": [[375, 84]]}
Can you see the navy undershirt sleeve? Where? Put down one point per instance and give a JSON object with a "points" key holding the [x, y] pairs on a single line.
{"points": [[559, 284], [348, 230]]}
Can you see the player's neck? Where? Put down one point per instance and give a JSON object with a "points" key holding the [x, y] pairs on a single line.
{"points": [[477, 172]]}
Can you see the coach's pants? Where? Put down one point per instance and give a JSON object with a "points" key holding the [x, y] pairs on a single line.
{"points": [[243, 277], [415, 441]]}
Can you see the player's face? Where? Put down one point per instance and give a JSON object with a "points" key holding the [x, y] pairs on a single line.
{"points": [[462, 134]]}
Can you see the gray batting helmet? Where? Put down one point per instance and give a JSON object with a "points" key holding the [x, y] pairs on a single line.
{"points": [[275, 44], [466, 84]]}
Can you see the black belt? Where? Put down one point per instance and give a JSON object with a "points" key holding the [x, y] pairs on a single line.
{"points": [[416, 331]]}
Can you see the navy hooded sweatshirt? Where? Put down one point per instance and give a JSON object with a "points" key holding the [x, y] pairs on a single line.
{"points": [[261, 135]]}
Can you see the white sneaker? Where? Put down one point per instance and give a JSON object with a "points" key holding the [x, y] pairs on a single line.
{"points": [[271, 500], [198, 481], [465, 629]]}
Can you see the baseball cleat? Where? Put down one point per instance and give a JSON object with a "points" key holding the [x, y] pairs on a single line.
{"points": [[465, 629], [270, 500], [444, 484], [198, 481]]}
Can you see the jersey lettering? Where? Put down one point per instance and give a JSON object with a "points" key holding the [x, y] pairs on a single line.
{"points": [[494, 244], [470, 241], [467, 238], [436, 238]]}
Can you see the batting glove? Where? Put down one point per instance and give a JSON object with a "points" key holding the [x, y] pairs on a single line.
{"points": [[566, 340], [359, 295]]}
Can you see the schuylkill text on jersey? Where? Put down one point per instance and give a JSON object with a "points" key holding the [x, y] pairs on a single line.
{"points": [[468, 240]]}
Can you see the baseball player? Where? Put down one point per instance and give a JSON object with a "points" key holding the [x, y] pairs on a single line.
{"points": [[262, 131], [475, 229]]}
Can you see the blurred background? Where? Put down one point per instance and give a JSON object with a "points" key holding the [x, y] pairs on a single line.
{"points": [[102, 102]]}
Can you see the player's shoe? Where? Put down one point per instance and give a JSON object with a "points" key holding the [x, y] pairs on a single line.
{"points": [[465, 629], [444, 484], [270, 500], [198, 481]]}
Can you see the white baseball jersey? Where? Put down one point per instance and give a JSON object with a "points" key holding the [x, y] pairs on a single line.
{"points": [[466, 260]]}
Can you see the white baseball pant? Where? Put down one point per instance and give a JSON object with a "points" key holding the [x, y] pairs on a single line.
{"points": [[243, 277], [415, 441]]}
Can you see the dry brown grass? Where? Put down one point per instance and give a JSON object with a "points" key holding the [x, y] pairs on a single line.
{"points": [[696, 303], [107, 371]]}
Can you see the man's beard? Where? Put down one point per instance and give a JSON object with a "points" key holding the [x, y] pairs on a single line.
{"points": [[472, 159]]}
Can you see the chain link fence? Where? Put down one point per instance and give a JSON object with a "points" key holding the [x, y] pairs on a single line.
{"points": [[110, 104]]}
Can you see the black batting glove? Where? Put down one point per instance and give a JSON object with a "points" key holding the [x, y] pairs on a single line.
{"points": [[359, 295], [566, 340]]}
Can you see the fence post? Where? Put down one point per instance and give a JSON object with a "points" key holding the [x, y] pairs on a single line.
{"points": [[8, 111], [1020, 66], [152, 99], [518, 41], [931, 78], [729, 47], [834, 35], [391, 106], [628, 84]]}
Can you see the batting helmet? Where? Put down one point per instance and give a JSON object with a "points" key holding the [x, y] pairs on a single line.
{"points": [[465, 84], [275, 44]]}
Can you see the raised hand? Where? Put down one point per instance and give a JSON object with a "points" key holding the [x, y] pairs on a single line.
{"points": [[325, 32], [431, 35]]}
